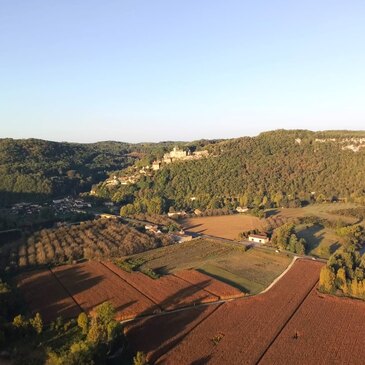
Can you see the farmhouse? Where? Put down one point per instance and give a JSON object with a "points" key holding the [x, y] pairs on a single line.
{"points": [[258, 238], [241, 209], [176, 214], [181, 237]]}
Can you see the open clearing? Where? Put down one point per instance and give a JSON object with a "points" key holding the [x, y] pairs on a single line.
{"points": [[251, 271], [290, 323], [67, 290], [226, 226], [319, 210], [320, 240]]}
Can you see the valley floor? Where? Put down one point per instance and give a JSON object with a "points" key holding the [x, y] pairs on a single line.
{"points": [[290, 323]]}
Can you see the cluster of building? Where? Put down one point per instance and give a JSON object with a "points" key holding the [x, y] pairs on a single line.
{"points": [[133, 175], [354, 144], [58, 206], [178, 154], [69, 204], [25, 209], [178, 237]]}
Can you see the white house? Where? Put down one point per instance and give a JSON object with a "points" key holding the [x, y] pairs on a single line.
{"points": [[258, 238], [241, 209]]}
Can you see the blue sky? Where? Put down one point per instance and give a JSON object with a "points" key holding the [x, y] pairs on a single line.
{"points": [[77, 70]]}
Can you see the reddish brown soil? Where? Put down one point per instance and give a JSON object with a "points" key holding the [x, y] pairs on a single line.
{"points": [[325, 330], [169, 292], [209, 284], [91, 284], [156, 335], [239, 332], [45, 295]]}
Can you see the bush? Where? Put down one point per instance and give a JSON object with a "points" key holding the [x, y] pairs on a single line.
{"points": [[140, 359]]}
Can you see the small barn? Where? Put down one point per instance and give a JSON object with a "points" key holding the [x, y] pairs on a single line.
{"points": [[258, 238]]}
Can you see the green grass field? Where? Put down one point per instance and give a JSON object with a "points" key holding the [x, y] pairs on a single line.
{"points": [[321, 241], [251, 271]]}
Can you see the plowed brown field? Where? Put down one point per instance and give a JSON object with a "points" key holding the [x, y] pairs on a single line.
{"points": [[91, 284], [68, 289], [240, 331], [213, 286], [156, 335], [325, 330], [169, 292], [45, 295]]}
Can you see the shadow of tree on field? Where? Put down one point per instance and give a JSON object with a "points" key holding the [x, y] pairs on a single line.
{"points": [[51, 292], [202, 361], [225, 280], [311, 236], [335, 246], [157, 335], [193, 226], [272, 213]]}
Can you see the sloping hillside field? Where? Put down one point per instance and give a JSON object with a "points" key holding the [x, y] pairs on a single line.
{"points": [[291, 323], [45, 295], [67, 290]]}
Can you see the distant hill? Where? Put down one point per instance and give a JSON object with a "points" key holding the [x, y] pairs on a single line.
{"points": [[274, 169], [34, 169]]}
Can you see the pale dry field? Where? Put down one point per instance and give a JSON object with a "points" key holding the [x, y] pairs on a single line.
{"points": [[226, 226], [324, 210]]}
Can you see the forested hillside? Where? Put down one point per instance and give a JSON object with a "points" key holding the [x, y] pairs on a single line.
{"points": [[279, 168], [31, 169]]}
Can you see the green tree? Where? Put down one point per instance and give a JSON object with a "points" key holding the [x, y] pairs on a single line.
{"points": [[20, 322], [140, 359], [37, 323], [101, 317], [293, 241], [327, 279], [341, 281], [114, 330], [300, 246], [83, 322]]}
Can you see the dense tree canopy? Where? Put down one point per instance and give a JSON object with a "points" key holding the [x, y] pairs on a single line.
{"points": [[33, 169], [344, 273], [280, 168]]}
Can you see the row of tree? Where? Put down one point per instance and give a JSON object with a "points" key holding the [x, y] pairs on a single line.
{"points": [[102, 238]]}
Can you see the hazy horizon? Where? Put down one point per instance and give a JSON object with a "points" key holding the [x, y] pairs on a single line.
{"points": [[180, 140], [154, 71]]}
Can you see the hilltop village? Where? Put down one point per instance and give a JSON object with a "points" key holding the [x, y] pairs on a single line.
{"points": [[133, 174]]}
